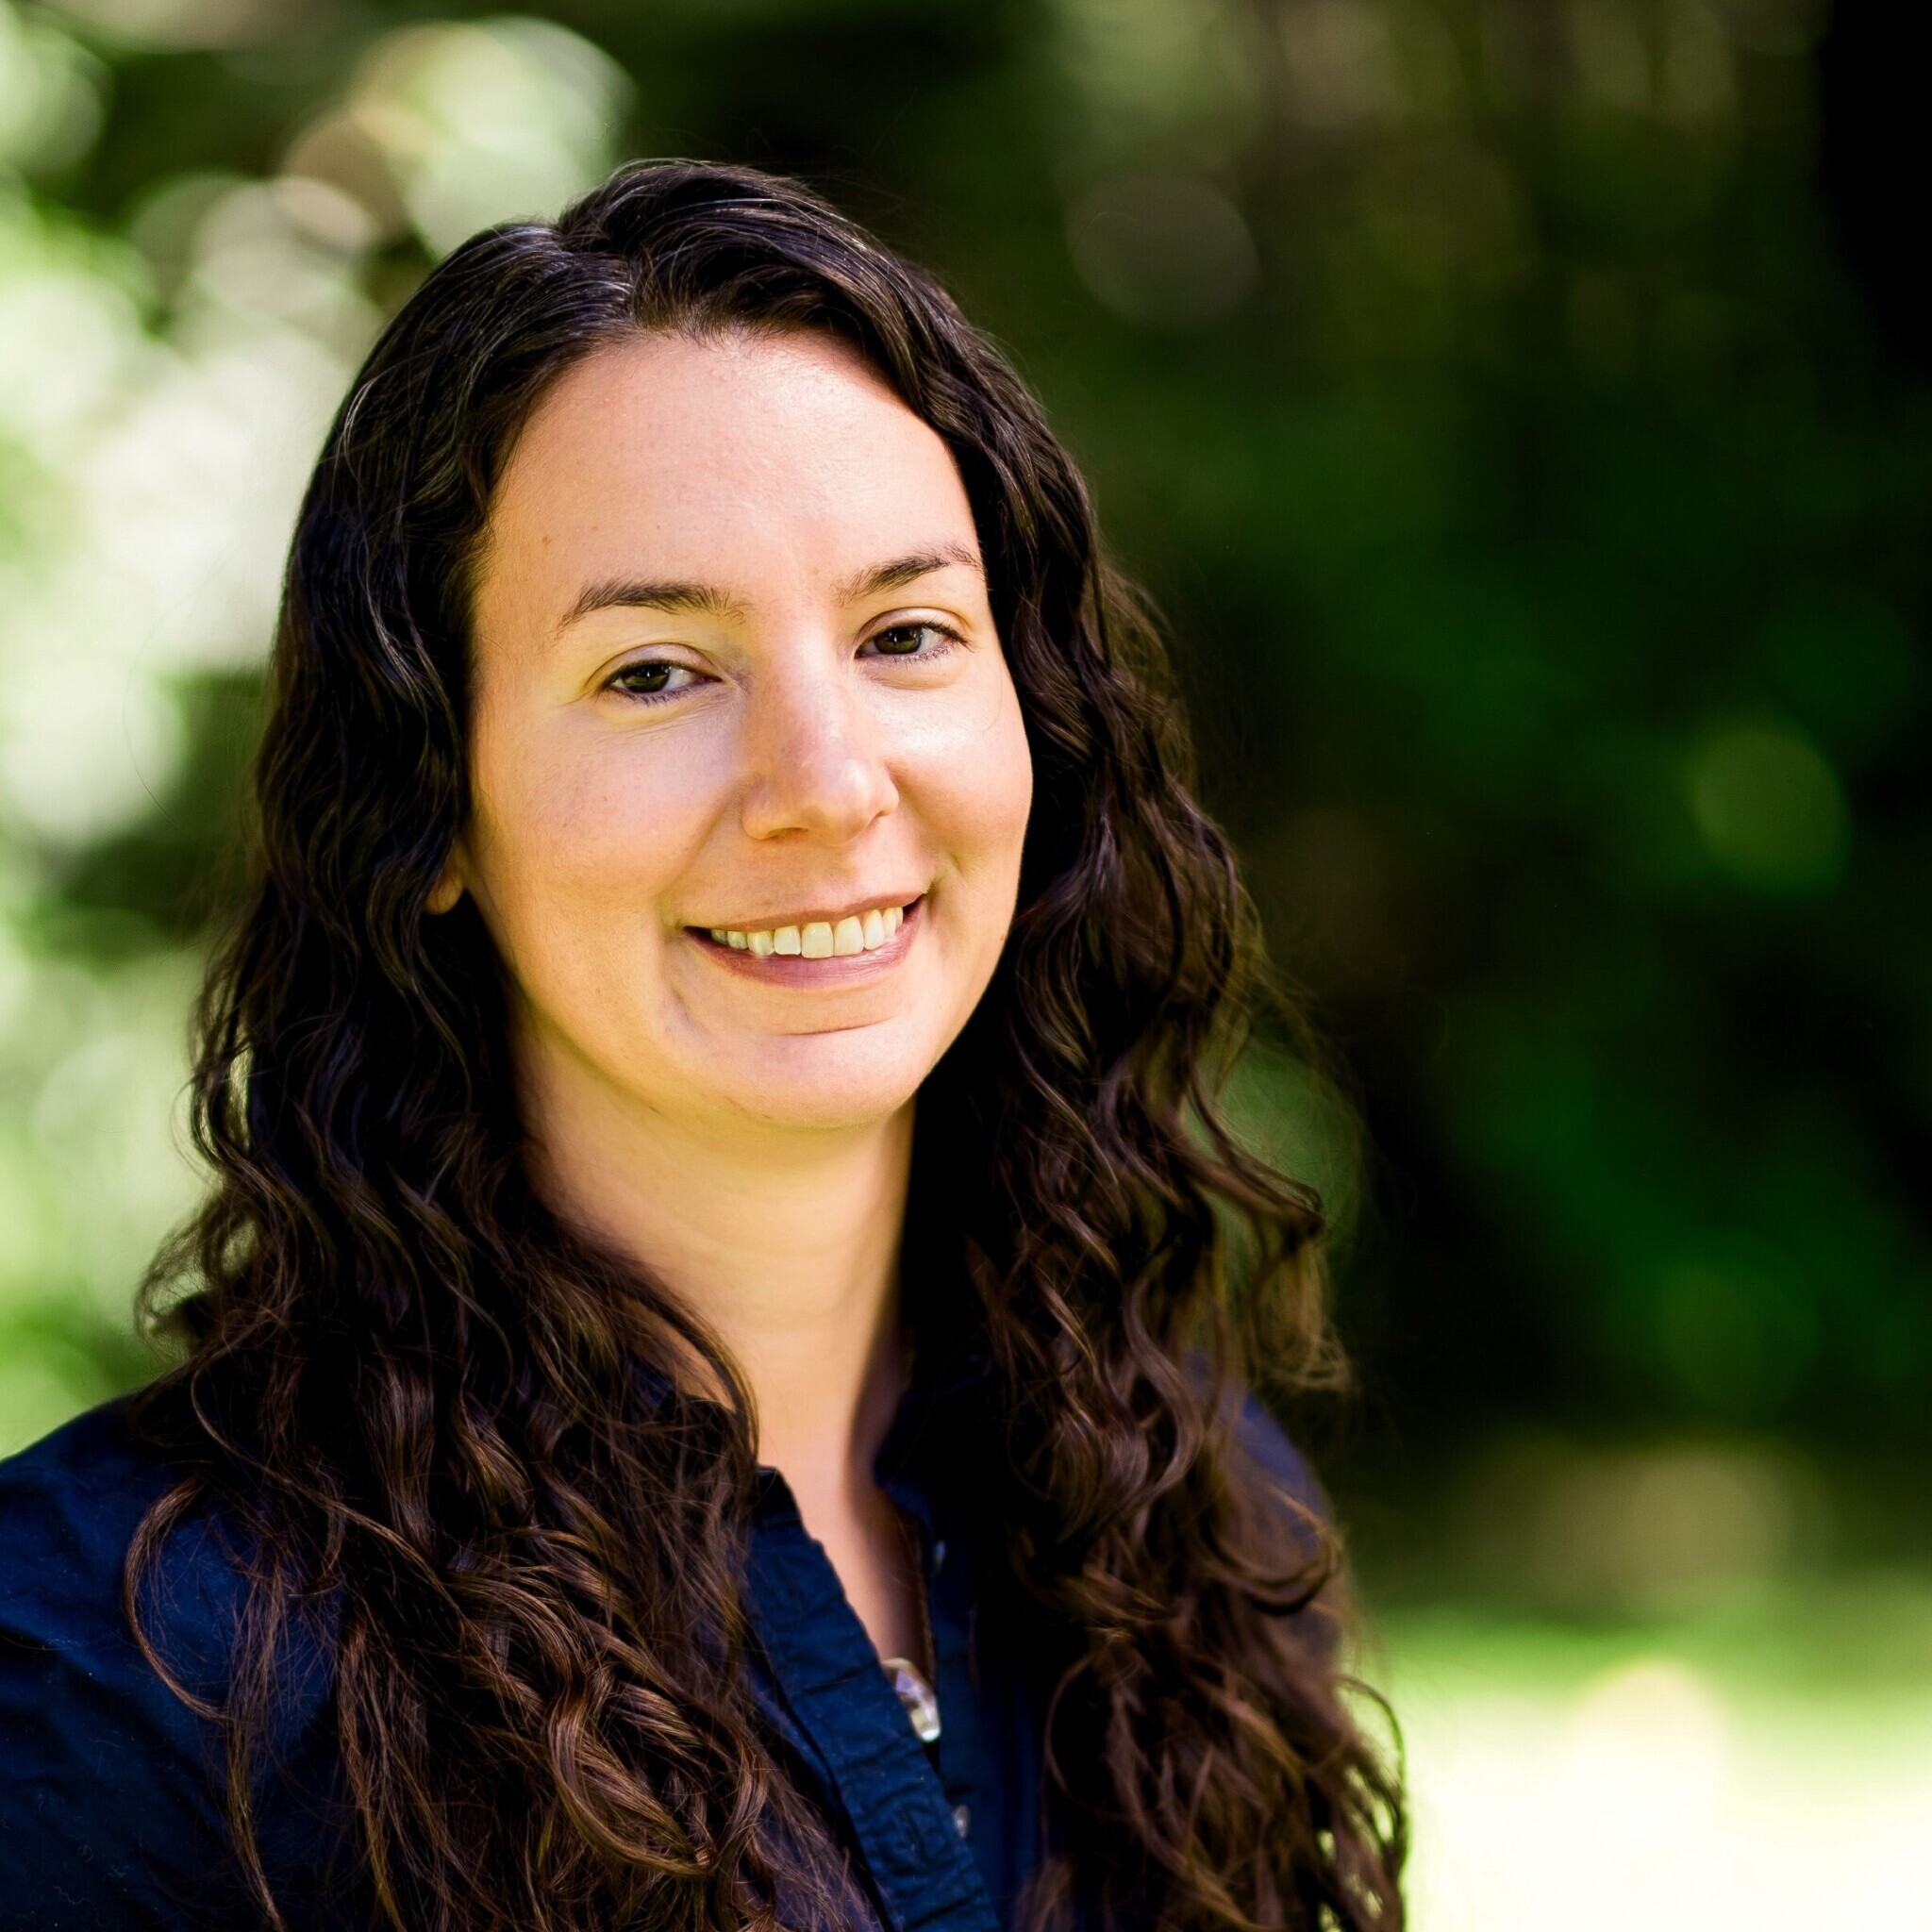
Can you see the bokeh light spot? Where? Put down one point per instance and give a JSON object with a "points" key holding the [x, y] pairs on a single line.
{"points": [[50, 93], [1645, 1753], [1168, 251], [488, 121], [1768, 807]]}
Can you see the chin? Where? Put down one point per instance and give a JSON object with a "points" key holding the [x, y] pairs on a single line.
{"points": [[830, 1105], [828, 1088]]}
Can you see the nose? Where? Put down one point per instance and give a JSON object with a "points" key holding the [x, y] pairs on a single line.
{"points": [[816, 752]]}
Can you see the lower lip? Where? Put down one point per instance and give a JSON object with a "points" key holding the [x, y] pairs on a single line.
{"points": [[794, 969]]}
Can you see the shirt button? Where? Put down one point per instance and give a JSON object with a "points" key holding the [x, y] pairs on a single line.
{"points": [[961, 1819]]}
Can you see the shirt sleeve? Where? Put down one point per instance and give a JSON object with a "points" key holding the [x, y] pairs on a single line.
{"points": [[112, 1815]]}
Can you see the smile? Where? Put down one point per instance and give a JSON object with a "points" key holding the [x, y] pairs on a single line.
{"points": [[810, 951]]}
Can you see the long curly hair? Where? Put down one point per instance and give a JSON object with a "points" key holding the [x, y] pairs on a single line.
{"points": [[453, 1421]]}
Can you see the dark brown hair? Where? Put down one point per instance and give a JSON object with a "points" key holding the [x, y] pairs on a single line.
{"points": [[419, 1393]]}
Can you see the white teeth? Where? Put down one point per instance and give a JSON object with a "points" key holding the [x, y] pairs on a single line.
{"points": [[818, 939]]}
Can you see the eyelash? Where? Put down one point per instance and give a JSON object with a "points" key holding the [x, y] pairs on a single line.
{"points": [[951, 642]]}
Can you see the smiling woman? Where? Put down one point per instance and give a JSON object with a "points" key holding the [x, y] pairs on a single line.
{"points": [[716, 1384]]}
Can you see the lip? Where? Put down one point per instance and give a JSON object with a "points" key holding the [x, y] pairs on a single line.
{"points": [[791, 969]]}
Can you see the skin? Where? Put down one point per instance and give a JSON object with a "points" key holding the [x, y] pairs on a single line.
{"points": [[788, 734]]}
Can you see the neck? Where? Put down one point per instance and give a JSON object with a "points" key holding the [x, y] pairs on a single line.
{"points": [[784, 1243]]}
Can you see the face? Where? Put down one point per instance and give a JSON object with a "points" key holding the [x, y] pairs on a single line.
{"points": [[749, 776]]}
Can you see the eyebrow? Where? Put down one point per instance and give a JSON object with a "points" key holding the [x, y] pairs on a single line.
{"points": [[706, 600], [906, 570], [637, 593]]}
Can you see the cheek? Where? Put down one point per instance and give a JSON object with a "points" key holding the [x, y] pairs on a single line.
{"points": [[576, 846], [983, 779], [1008, 779]]}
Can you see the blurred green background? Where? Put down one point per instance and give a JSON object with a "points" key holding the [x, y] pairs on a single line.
{"points": [[1521, 411]]}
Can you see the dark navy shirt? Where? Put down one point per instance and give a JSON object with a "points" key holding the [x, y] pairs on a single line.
{"points": [[110, 1813]]}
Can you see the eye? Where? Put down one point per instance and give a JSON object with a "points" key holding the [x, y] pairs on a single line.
{"points": [[649, 680], [917, 641]]}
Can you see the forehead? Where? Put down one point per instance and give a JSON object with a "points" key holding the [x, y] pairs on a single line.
{"points": [[726, 460]]}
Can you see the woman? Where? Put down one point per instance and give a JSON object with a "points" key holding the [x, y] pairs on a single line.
{"points": [[621, 1472]]}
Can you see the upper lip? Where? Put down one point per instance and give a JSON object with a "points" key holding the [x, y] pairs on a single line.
{"points": [[771, 922]]}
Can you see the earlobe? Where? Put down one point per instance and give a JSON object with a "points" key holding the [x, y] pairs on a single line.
{"points": [[447, 889]]}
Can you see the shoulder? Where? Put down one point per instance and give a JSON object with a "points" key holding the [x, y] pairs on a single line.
{"points": [[69, 1506], [110, 1799], [1266, 1465], [1292, 1513], [1265, 1446]]}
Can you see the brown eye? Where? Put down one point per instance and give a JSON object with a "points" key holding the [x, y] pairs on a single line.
{"points": [[907, 639], [648, 680]]}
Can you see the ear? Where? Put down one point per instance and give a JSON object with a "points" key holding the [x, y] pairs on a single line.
{"points": [[448, 888]]}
